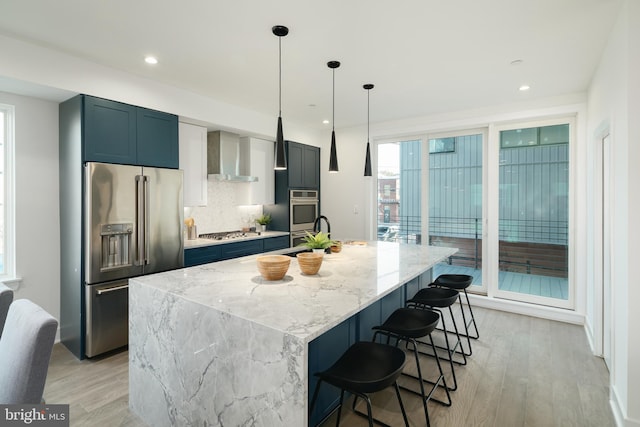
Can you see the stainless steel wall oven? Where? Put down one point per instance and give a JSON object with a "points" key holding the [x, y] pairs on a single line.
{"points": [[303, 210]]}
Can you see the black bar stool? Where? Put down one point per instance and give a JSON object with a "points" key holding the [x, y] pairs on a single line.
{"points": [[437, 299], [408, 324], [460, 282], [366, 367]]}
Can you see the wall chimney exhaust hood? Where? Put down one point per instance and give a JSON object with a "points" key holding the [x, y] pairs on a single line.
{"points": [[228, 158]]}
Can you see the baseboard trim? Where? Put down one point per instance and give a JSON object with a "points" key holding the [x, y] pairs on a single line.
{"points": [[543, 312], [618, 415], [588, 331]]}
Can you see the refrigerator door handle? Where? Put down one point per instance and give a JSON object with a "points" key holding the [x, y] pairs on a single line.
{"points": [[140, 216], [147, 219]]}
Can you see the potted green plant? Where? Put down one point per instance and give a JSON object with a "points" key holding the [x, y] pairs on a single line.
{"points": [[263, 220], [318, 242]]}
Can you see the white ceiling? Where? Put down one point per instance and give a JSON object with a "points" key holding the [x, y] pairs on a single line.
{"points": [[424, 56]]}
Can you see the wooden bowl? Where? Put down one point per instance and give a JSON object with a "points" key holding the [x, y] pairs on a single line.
{"points": [[273, 267], [309, 262]]}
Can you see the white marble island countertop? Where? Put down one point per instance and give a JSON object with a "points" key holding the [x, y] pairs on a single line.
{"points": [[304, 306], [217, 345]]}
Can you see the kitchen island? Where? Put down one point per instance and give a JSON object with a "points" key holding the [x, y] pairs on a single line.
{"points": [[217, 345]]}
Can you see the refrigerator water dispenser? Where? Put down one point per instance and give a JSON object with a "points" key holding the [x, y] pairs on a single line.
{"points": [[116, 245]]}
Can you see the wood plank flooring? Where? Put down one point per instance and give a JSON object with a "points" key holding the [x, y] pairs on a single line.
{"points": [[524, 371]]}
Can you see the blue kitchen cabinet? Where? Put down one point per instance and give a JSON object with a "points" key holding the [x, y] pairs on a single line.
{"points": [[367, 319], [303, 172], [303, 166], [238, 249], [417, 283], [157, 139], [114, 132], [109, 131], [275, 243], [323, 352], [213, 253], [411, 288], [202, 255], [376, 313], [328, 347]]}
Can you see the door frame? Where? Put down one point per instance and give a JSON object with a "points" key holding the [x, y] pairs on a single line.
{"points": [[493, 217], [602, 335], [425, 137]]}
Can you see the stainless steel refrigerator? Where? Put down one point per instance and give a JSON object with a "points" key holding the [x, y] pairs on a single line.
{"points": [[133, 226]]}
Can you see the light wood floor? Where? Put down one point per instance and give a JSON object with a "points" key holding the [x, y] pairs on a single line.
{"points": [[523, 372]]}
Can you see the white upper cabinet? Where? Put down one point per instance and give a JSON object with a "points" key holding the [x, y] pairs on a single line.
{"points": [[193, 161], [262, 192]]}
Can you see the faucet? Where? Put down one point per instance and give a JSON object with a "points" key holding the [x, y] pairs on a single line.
{"points": [[317, 226]]}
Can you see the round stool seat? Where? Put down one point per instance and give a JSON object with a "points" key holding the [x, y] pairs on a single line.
{"points": [[366, 367], [435, 297], [454, 281], [410, 322]]}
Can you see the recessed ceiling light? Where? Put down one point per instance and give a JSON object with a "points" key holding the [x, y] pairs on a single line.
{"points": [[325, 121], [150, 60], [524, 88]]}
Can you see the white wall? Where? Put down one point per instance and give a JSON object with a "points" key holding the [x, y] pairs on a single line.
{"points": [[37, 214], [614, 103], [37, 64]]}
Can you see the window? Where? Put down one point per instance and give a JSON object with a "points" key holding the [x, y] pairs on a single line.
{"points": [[442, 145], [546, 135], [7, 262], [533, 214]]}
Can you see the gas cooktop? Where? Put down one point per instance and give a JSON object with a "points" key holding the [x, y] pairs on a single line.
{"points": [[228, 235]]}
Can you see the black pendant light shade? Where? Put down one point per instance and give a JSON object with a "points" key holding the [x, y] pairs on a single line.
{"points": [[367, 158], [333, 157], [367, 161], [280, 157]]}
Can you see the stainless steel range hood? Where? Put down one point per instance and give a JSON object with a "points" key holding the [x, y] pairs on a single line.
{"points": [[228, 157]]}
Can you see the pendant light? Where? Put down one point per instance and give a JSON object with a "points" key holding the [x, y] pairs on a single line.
{"points": [[333, 158], [367, 159], [280, 158]]}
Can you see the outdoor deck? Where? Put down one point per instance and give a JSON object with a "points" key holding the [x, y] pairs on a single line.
{"points": [[532, 284]]}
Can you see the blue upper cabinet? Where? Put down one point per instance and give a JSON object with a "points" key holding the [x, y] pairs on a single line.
{"points": [[114, 132], [303, 165], [157, 139], [109, 131]]}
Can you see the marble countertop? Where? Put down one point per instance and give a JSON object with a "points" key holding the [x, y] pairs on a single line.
{"points": [[198, 243], [303, 306]]}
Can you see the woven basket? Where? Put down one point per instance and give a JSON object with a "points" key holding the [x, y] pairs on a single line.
{"points": [[273, 267], [309, 262]]}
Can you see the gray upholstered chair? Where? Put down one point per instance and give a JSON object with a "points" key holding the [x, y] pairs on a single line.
{"points": [[6, 296], [25, 350]]}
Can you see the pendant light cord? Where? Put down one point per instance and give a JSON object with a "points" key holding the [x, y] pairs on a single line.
{"points": [[279, 76], [333, 118], [368, 91]]}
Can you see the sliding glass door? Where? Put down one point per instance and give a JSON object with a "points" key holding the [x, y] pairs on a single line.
{"points": [[399, 192], [455, 202], [500, 195], [533, 215]]}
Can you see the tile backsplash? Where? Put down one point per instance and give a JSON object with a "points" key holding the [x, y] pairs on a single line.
{"points": [[225, 210]]}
